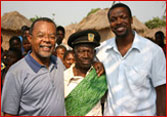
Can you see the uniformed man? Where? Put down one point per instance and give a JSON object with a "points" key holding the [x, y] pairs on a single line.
{"points": [[83, 88]]}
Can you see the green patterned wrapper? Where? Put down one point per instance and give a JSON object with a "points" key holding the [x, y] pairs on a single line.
{"points": [[86, 94]]}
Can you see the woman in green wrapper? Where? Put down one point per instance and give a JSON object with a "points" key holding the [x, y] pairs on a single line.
{"points": [[83, 88]]}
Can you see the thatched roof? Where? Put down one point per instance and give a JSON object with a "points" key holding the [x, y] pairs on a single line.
{"points": [[99, 21], [138, 26], [70, 29], [96, 21], [14, 21]]}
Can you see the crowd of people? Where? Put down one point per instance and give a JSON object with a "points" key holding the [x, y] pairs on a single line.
{"points": [[122, 76]]}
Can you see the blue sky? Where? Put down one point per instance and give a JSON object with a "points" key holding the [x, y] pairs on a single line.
{"points": [[67, 12]]}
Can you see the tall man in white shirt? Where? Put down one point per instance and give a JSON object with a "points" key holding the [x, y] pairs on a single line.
{"points": [[135, 69]]}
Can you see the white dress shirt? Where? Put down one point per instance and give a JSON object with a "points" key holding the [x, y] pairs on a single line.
{"points": [[132, 78]]}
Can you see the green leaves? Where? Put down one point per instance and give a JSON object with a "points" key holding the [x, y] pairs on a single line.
{"points": [[155, 22]]}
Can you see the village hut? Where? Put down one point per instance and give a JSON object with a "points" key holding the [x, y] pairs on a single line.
{"points": [[99, 21], [70, 29], [138, 26], [11, 24]]}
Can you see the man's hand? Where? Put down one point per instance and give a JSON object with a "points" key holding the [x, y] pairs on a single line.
{"points": [[161, 100], [99, 68]]}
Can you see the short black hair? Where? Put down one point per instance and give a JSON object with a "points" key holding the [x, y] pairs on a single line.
{"points": [[61, 46], [119, 5], [14, 38], [67, 53], [24, 28], [160, 33], [46, 19], [60, 28]]}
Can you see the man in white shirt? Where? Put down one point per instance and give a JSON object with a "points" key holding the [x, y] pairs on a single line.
{"points": [[135, 69]]}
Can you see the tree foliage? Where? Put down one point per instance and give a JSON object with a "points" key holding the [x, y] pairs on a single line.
{"points": [[34, 18], [156, 22], [93, 11]]}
